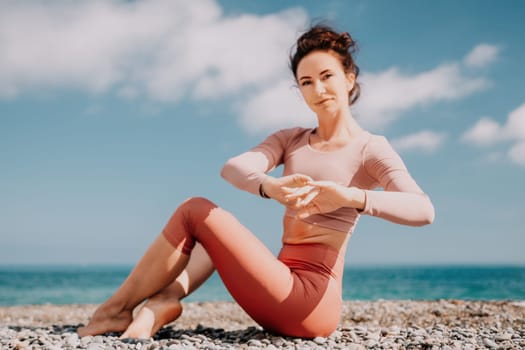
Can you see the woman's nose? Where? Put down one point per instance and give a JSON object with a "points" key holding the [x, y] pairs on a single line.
{"points": [[319, 88]]}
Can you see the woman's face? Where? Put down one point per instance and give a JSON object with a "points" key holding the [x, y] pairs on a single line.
{"points": [[323, 82]]}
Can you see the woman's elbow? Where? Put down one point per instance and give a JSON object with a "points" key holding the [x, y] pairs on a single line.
{"points": [[428, 213], [226, 169], [224, 172]]}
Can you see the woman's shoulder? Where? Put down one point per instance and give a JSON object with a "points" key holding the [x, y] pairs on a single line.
{"points": [[294, 131], [292, 135], [375, 145], [285, 138]]}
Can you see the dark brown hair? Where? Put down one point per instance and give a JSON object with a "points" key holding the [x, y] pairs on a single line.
{"points": [[321, 37]]}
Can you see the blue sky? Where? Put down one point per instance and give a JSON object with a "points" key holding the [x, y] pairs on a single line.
{"points": [[113, 112]]}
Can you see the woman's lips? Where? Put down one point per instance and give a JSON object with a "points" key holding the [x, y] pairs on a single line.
{"points": [[323, 101]]}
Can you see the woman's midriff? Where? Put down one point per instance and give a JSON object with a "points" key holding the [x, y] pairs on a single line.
{"points": [[297, 231]]}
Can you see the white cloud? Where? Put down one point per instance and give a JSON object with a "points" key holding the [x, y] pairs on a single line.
{"points": [[515, 126], [481, 56], [423, 141], [162, 48], [172, 49], [278, 106], [385, 95], [75, 44], [517, 153], [487, 132]]}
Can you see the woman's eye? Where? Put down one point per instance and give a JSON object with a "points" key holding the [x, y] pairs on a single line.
{"points": [[304, 83], [326, 76]]}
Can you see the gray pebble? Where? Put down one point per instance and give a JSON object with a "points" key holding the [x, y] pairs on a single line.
{"points": [[319, 340], [373, 336], [371, 343], [270, 347], [95, 346], [98, 339], [387, 325], [277, 341], [356, 347], [335, 335], [54, 347], [503, 337], [489, 343], [71, 340], [255, 342], [360, 330]]}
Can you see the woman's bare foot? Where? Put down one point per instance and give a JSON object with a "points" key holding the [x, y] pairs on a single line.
{"points": [[155, 313], [107, 318]]}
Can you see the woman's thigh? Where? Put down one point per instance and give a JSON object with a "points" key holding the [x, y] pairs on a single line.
{"points": [[291, 302], [256, 279]]}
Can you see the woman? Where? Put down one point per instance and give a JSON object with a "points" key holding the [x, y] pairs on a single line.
{"points": [[328, 179]]}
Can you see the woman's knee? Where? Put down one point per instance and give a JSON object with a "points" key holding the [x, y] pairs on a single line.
{"points": [[197, 201], [183, 224], [194, 211], [199, 206]]}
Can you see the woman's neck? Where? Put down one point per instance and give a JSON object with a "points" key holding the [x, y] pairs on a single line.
{"points": [[336, 127]]}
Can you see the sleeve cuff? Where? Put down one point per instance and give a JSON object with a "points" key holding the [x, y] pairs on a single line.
{"points": [[258, 183], [367, 210]]}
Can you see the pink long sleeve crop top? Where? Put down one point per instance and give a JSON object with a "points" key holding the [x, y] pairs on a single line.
{"points": [[366, 162]]}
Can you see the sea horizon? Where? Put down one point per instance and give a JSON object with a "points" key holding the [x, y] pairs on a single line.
{"points": [[396, 265], [27, 284]]}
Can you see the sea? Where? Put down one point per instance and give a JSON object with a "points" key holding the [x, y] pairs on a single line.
{"points": [[23, 285]]}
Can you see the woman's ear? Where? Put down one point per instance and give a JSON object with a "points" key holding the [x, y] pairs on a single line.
{"points": [[350, 81]]}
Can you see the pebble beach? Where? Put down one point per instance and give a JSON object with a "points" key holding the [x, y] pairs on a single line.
{"points": [[440, 324]]}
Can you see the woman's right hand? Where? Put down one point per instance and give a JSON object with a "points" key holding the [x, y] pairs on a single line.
{"points": [[279, 188]]}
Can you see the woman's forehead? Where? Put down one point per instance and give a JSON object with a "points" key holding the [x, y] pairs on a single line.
{"points": [[316, 62]]}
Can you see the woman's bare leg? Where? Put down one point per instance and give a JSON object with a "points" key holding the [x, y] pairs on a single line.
{"points": [[165, 307], [237, 254], [159, 266]]}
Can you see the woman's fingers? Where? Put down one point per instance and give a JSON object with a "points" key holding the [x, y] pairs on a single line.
{"points": [[300, 192], [297, 192], [307, 189], [296, 180], [308, 198], [301, 179]]}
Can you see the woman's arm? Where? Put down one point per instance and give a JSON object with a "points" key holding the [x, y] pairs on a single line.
{"points": [[247, 171], [413, 209], [402, 200]]}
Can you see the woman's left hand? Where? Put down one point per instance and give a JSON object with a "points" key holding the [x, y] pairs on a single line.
{"points": [[325, 196]]}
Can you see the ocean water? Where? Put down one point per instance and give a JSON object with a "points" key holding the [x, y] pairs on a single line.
{"points": [[93, 284]]}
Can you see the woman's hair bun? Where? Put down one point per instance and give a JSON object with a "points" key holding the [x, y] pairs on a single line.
{"points": [[323, 38], [345, 42]]}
